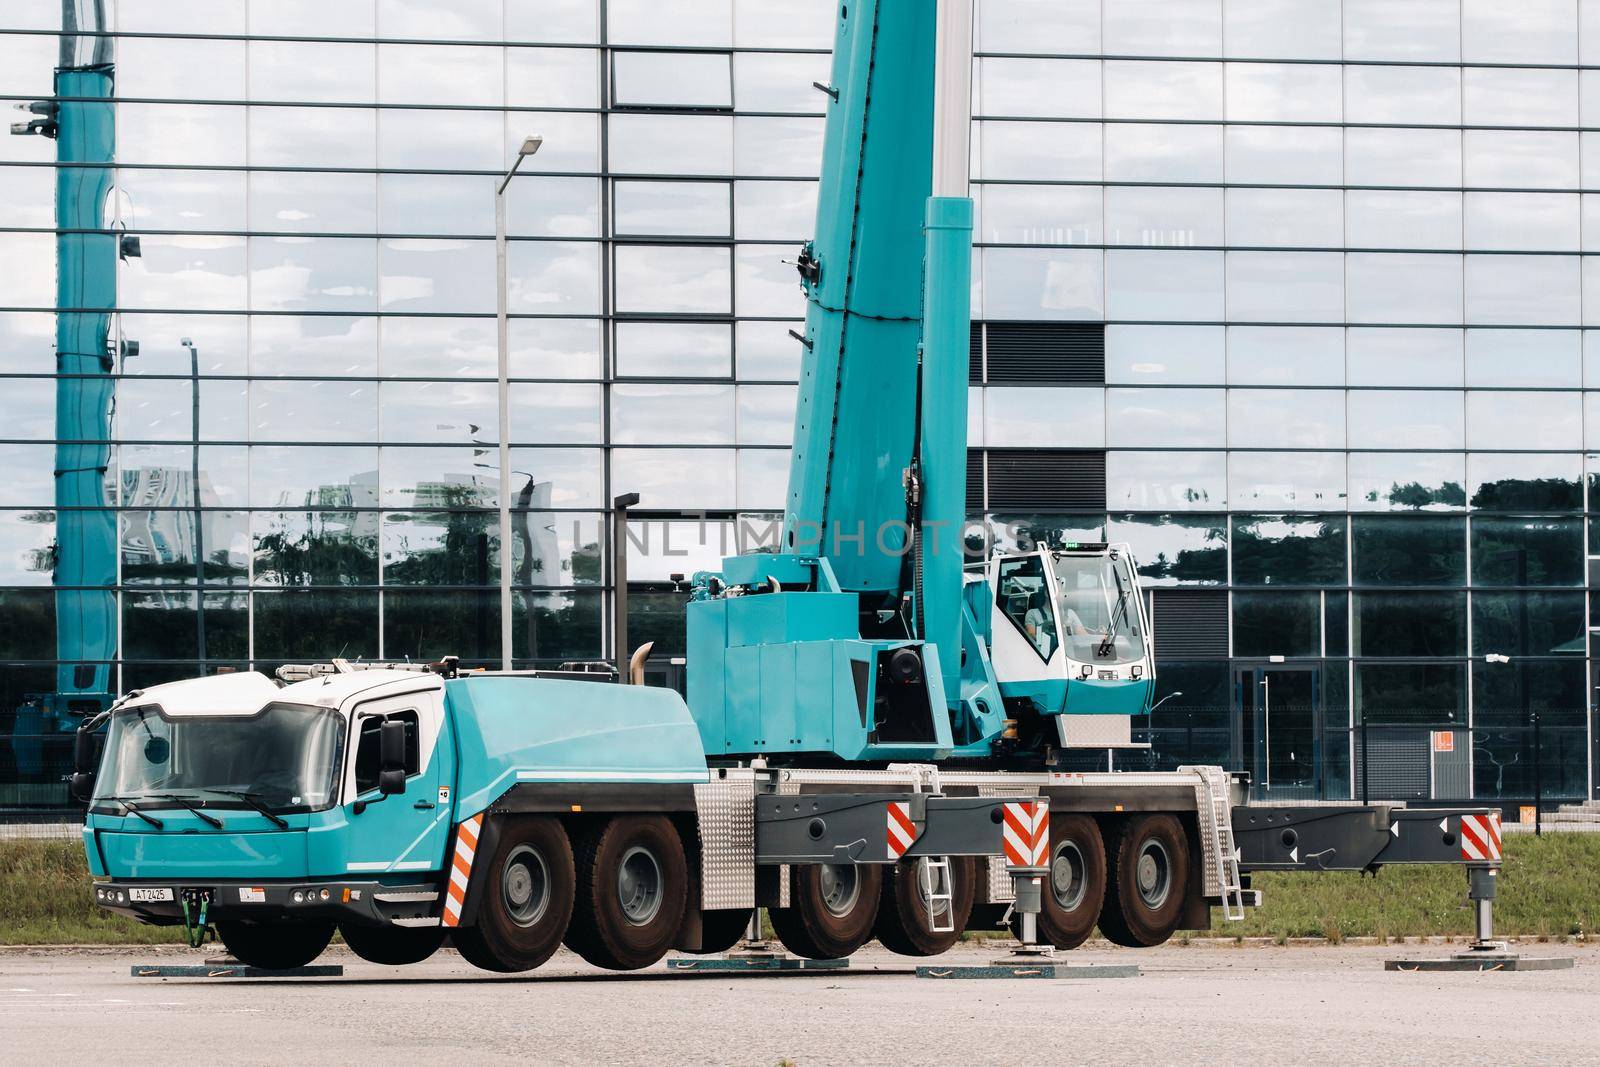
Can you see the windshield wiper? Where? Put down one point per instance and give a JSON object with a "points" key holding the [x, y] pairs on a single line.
{"points": [[128, 804], [255, 801], [1120, 611], [189, 803]]}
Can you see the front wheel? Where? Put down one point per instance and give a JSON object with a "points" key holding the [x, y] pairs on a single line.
{"points": [[275, 946], [392, 946], [527, 899], [1149, 877], [633, 887]]}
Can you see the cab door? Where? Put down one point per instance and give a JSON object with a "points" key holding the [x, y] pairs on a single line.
{"points": [[405, 831]]}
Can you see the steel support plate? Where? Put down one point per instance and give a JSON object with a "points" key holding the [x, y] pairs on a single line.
{"points": [[237, 970]]}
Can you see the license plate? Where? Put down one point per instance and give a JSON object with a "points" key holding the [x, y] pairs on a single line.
{"points": [[149, 895]]}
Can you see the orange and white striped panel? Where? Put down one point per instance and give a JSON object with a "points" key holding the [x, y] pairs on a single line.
{"points": [[455, 894], [1025, 833], [902, 831], [1480, 836]]}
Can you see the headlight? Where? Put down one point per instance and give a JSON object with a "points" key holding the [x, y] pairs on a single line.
{"points": [[299, 897], [323, 894]]}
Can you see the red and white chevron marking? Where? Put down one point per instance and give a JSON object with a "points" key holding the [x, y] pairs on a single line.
{"points": [[1480, 836], [902, 831], [1025, 833], [461, 869]]}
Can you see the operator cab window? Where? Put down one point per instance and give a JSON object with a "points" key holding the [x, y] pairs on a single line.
{"points": [[1024, 596], [367, 766]]}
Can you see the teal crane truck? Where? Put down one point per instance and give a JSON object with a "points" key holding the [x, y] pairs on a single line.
{"points": [[871, 744]]}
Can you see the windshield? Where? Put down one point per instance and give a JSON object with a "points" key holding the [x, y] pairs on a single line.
{"points": [[287, 756], [1099, 600]]}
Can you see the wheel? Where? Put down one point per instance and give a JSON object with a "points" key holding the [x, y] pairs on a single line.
{"points": [[831, 909], [1075, 888], [1148, 878], [392, 946], [903, 917], [275, 946], [527, 899], [719, 931], [633, 886]]}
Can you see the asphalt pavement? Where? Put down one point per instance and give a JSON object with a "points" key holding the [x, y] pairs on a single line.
{"points": [[1201, 1003]]}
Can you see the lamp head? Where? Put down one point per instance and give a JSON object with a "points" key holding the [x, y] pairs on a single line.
{"points": [[530, 145]]}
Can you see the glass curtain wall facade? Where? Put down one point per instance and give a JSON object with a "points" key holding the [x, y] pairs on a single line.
{"points": [[1328, 259]]}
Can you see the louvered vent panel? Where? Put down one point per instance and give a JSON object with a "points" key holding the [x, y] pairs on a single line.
{"points": [[1056, 353], [975, 354], [1043, 480], [1190, 623], [974, 481]]}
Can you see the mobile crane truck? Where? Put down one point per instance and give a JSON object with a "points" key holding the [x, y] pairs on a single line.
{"points": [[870, 742]]}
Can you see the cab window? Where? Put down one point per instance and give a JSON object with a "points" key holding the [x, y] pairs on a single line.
{"points": [[1024, 597], [367, 766]]}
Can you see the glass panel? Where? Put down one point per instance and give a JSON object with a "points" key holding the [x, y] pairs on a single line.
{"points": [[1037, 214], [555, 348], [777, 146], [442, 548], [1049, 88], [316, 411], [189, 135], [1534, 222], [1521, 159], [683, 279], [1418, 30], [554, 20], [1044, 417], [1499, 96], [559, 414], [1042, 283], [1404, 357], [1525, 482], [1411, 692], [1527, 624], [655, 414], [674, 350], [1402, 288], [1285, 418], [425, 625], [201, 273], [288, 202], [1166, 481], [1165, 418], [1277, 624], [772, 82], [453, 204], [417, 275], [439, 412], [439, 348], [1287, 92], [313, 274], [287, 137], [547, 278], [558, 626], [147, 409], [1524, 358], [1297, 481], [1175, 549], [1164, 217], [206, 201], [763, 479], [706, 23], [1408, 95], [1523, 420], [1286, 286], [326, 345], [1137, 355], [672, 209], [1272, 29], [769, 211], [1524, 290], [1025, 151], [1288, 550], [1412, 418], [766, 414], [160, 476], [312, 18], [671, 144], [1403, 625], [1163, 284], [439, 74], [675, 478], [1527, 551], [550, 77], [1147, 90], [764, 280], [439, 477], [1390, 218], [164, 625], [1039, 26], [767, 352], [1292, 155], [1293, 218], [575, 475], [310, 71], [555, 548], [1139, 152], [1409, 549], [27, 547], [315, 548], [1536, 31], [1023, 533], [1293, 355], [1402, 156], [293, 477], [672, 79], [659, 548], [158, 547]]}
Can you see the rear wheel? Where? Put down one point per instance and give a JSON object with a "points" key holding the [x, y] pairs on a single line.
{"points": [[633, 886], [527, 899], [392, 946], [831, 909], [275, 946], [909, 890], [1149, 876], [1075, 887]]}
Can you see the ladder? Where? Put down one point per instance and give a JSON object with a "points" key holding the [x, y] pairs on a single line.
{"points": [[1214, 809], [934, 874]]}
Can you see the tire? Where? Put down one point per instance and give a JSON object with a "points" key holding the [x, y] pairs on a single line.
{"points": [[902, 924], [392, 946], [275, 946], [719, 931], [527, 899], [633, 887], [1147, 882], [1075, 888], [828, 917]]}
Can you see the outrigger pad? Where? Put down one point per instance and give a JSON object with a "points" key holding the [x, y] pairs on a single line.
{"points": [[762, 964], [237, 970], [1483, 961], [1002, 969]]}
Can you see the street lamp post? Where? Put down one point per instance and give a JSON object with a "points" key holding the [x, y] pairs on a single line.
{"points": [[194, 492], [529, 146]]}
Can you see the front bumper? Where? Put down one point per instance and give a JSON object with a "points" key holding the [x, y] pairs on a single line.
{"points": [[366, 902]]}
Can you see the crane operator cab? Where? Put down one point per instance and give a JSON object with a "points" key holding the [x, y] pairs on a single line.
{"points": [[1069, 636]]}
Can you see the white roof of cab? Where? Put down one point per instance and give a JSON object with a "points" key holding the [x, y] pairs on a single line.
{"points": [[247, 692]]}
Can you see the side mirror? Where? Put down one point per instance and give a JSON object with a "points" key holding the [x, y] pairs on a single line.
{"points": [[85, 760], [392, 758], [81, 785]]}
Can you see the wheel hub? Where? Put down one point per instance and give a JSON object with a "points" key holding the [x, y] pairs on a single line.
{"points": [[841, 887], [1067, 876], [639, 885], [1153, 874], [928, 883], [525, 885]]}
